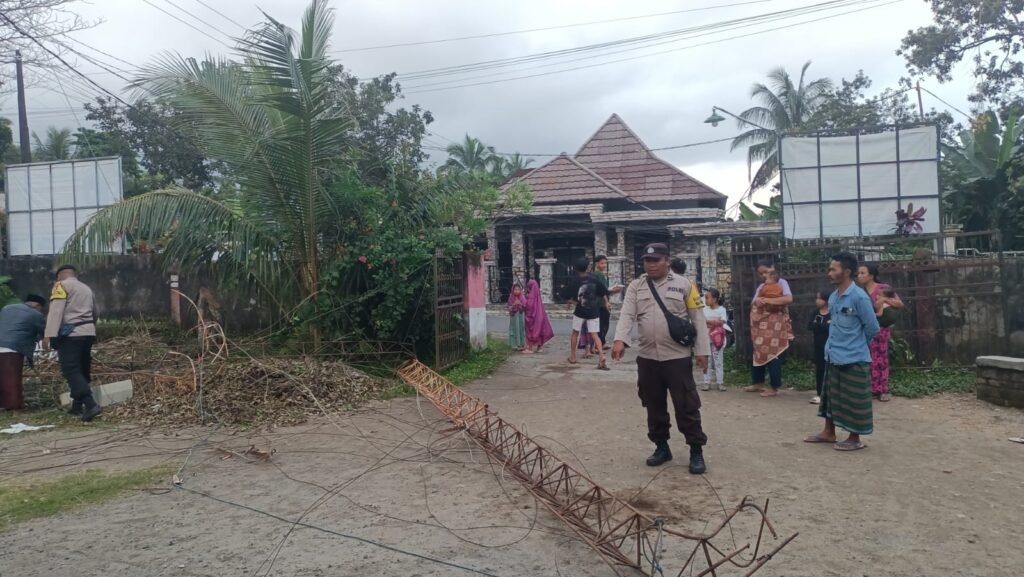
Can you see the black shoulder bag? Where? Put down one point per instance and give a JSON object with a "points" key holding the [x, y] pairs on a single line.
{"points": [[681, 330]]}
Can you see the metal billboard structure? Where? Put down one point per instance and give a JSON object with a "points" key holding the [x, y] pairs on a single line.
{"points": [[48, 201], [852, 183]]}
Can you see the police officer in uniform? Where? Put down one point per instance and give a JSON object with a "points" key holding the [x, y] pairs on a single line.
{"points": [[664, 367], [71, 331]]}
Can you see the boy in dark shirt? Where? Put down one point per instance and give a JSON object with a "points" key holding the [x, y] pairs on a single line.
{"points": [[587, 294], [819, 325]]}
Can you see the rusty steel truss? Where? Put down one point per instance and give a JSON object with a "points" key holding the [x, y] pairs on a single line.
{"points": [[620, 534]]}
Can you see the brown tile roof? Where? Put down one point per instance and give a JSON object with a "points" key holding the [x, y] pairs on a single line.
{"points": [[565, 180], [613, 164], [618, 155]]}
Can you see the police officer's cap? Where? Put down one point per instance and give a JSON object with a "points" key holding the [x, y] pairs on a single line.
{"points": [[656, 250]]}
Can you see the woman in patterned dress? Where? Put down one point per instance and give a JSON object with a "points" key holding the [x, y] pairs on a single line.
{"points": [[867, 278]]}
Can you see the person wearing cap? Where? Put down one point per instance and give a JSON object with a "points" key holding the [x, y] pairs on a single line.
{"points": [[665, 367], [71, 331], [21, 327]]}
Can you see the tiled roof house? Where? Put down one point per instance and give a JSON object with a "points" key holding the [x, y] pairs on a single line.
{"points": [[610, 198]]}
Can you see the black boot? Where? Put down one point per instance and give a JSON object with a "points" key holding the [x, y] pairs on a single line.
{"points": [[697, 465], [76, 408], [91, 409], [662, 454]]}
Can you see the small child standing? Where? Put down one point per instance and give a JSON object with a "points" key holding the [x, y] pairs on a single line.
{"points": [[819, 325], [718, 323], [517, 318]]}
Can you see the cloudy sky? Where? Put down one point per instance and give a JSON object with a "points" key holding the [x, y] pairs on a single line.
{"points": [[705, 53]]}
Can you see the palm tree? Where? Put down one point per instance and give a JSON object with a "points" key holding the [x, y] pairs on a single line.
{"points": [[470, 156], [56, 147], [271, 120], [504, 167], [784, 106]]}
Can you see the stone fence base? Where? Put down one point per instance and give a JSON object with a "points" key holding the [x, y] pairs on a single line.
{"points": [[1001, 381]]}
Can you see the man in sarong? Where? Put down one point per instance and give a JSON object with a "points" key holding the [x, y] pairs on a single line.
{"points": [[846, 395]]}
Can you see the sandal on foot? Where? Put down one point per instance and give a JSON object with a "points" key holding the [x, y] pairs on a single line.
{"points": [[769, 393], [818, 439], [848, 446], [884, 398], [603, 365], [571, 361]]}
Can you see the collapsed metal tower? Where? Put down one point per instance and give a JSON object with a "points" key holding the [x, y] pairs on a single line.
{"points": [[620, 534]]}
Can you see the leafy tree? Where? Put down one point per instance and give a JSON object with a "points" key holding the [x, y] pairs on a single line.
{"points": [[504, 167], [160, 140], [784, 106], [470, 155], [297, 216], [386, 138], [57, 146], [770, 211], [989, 32], [6, 138], [984, 177]]}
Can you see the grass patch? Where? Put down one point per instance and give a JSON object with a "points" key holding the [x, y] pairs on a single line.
{"points": [[475, 366], [479, 365], [912, 382], [52, 416], [19, 503]]}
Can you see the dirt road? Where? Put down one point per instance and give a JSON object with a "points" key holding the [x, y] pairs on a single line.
{"points": [[937, 493]]}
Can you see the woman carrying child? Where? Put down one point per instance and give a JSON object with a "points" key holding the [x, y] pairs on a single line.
{"points": [[884, 298]]}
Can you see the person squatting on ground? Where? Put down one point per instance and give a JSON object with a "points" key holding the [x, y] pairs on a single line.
{"points": [[718, 323], [665, 367], [586, 293], [846, 396], [71, 331], [21, 327], [819, 325]]}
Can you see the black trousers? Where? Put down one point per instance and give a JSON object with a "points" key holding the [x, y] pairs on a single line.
{"points": [[606, 321], [656, 381], [75, 356]]}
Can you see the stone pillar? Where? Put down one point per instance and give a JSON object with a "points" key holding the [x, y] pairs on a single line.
{"points": [[518, 254], [474, 297], [492, 244], [490, 271], [547, 275], [615, 264], [709, 263], [530, 260], [600, 240], [620, 241]]}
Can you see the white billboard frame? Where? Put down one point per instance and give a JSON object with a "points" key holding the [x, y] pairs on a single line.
{"points": [[39, 222], [838, 196]]}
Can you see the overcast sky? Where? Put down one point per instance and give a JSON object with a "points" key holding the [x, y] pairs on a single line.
{"points": [[663, 92]]}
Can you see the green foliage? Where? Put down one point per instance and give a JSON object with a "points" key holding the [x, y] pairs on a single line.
{"points": [[25, 501], [910, 382], [983, 177], [989, 32], [7, 295], [784, 105], [57, 146], [770, 211]]}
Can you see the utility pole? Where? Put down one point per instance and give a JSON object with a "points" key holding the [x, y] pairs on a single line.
{"points": [[26, 148], [920, 103]]}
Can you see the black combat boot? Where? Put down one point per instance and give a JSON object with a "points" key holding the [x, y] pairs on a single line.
{"points": [[91, 409], [76, 408], [697, 465], [662, 454]]}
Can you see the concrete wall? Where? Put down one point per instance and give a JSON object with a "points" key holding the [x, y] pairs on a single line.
{"points": [[130, 287], [1001, 381]]}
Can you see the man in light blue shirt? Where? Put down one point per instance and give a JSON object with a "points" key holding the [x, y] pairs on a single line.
{"points": [[846, 394]]}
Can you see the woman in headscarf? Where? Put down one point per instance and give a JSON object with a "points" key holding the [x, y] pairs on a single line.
{"points": [[538, 327], [516, 317]]}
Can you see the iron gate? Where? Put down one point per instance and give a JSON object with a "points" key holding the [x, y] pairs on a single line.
{"points": [[451, 333]]}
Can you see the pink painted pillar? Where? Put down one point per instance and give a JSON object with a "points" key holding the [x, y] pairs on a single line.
{"points": [[475, 299]]}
